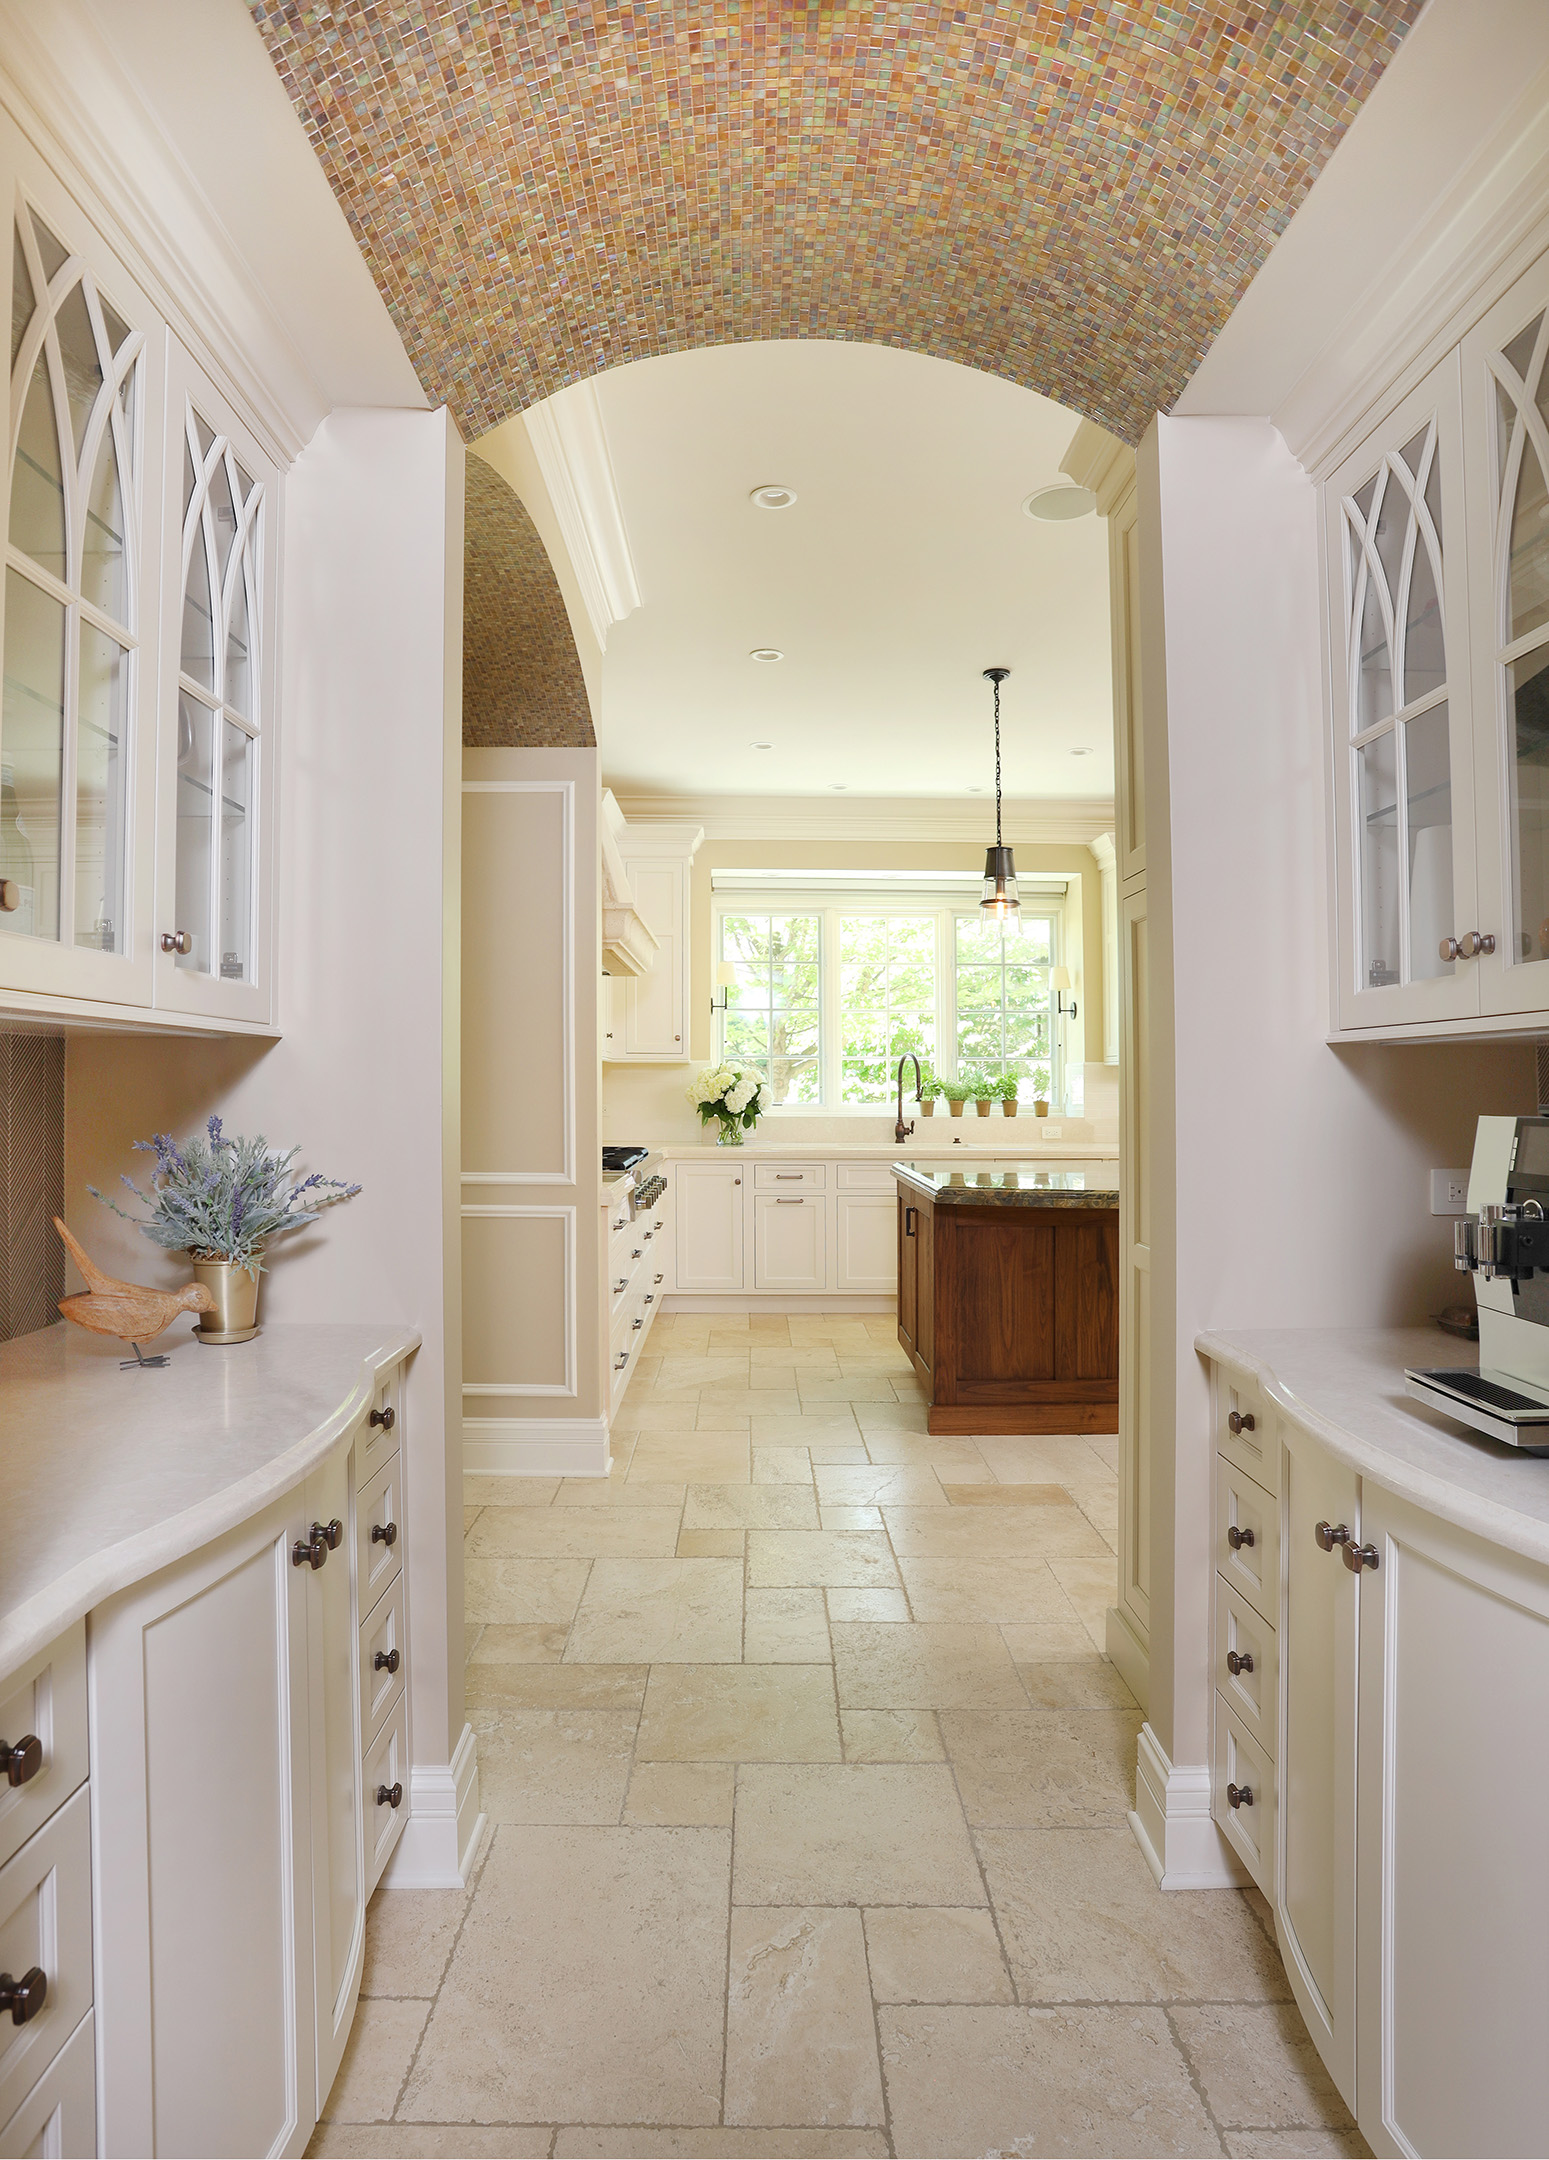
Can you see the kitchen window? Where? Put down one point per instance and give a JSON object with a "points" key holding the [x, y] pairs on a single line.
{"points": [[849, 975]]}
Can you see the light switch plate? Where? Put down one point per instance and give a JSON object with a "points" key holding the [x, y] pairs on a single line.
{"points": [[1449, 1192]]}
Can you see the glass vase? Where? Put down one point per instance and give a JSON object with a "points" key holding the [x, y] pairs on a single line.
{"points": [[728, 1134]]}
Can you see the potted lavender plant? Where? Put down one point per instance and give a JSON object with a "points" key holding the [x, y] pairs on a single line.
{"points": [[223, 1201]]}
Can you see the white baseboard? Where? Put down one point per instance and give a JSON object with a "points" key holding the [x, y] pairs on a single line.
{"points": [[814, 1302], [1173, 1824], [442, 1833], [1129, 1654], [536, 1447]]}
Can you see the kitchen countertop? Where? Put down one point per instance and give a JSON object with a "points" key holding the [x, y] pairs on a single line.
{"points": [[106, 1476], [1004, 1141], [1346, 1388], [1025, 1186]]}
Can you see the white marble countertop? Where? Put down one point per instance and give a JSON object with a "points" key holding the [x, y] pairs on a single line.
{"points": [[931, 1139], [1346, 1388], [106, 1476]]}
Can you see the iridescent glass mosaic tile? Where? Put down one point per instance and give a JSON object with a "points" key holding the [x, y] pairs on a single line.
{"points": [[522, 680], [1072, 196]]}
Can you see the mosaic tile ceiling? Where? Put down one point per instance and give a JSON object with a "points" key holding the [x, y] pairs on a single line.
{"points": [[522, 681], [1070, 195]]}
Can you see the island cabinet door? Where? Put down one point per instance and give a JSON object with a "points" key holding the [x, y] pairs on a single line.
{"points": [[1453, 1862], [1315, 1899], [916, 1280], [202, 1893]]}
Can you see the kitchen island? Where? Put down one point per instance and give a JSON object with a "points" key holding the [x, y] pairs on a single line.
{"points": [[1008, 1300]]}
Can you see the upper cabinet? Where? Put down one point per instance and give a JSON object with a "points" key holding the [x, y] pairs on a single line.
{"points": [[137, 628], [648, 1012], [1436, 545]]}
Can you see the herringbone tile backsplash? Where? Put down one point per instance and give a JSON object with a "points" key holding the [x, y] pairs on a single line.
{"points": [[32, 1181]]}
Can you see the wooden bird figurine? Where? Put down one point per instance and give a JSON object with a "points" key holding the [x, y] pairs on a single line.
{"points": [[128, 1310]]}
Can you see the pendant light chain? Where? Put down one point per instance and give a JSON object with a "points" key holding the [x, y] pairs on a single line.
{"points": [[997, 765], [1000, 873]]}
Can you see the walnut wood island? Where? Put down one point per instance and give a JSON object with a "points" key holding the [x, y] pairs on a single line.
{"points": [[1008, 1297]]}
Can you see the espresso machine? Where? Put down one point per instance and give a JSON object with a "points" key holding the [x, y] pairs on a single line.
{"points": [[1503, 1242]]}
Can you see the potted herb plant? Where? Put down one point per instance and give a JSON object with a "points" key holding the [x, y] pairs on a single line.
{"points": [[1006, 1089], [984, 1092], [223, 1200], [730, 1097], [957, 1093], [1040, 1091], [930, 1089]]}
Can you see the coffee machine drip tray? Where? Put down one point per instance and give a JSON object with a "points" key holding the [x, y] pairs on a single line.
{"points": [[1492, 1402]]}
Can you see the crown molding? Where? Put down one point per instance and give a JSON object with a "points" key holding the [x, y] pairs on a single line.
{"points": [[1104, 850], [571, 446], [1049, 823], [1099, 461]]}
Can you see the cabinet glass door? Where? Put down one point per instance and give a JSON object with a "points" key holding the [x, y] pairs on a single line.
{"points": [[1404, 795]]}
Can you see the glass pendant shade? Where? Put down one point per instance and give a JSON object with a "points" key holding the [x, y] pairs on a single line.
{"points": [[1000, 884]]}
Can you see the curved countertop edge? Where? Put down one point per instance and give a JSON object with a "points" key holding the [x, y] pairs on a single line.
{"points": [[32, 1626], [1467, 1508]]}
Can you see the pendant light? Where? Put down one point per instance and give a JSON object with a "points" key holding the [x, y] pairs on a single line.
{"points": [[1000, 900]]}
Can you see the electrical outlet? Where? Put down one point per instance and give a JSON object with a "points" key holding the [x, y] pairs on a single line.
{"points": [[1449, 1192]]}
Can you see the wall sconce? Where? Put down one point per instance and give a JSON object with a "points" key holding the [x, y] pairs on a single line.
{"points": [[725, 982], [1061, 980]]}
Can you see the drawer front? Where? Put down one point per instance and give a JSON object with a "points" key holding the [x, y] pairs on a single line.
{"points": [[789, 1176], [59, 2115], [1254, 1447], [1247, 1638], [45, 1921], [1247, 1538], [379, 1508], [382, 1637], [1241, 1763], [45, 1701], [386, 1766], [864, 1177], [375, 1443]]}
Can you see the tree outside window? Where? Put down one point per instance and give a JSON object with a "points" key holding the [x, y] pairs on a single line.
{"points": [[887, 1000], [1002, 979], [772, 1017]]}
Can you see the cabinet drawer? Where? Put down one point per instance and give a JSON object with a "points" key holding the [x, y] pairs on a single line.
{"points": [[864, 1177], [1254, 1447], [375, 1443], [45, 1921], [386, 1771], [1247, 1538], [379, 1531], [382, 1636], [59, 2115], [789, 1176], [1252, 1690], [45, 1701], [1250, 1827]]}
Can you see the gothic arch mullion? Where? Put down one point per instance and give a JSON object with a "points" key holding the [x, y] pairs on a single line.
{"points": [[1398, 648], [1516, 449]]}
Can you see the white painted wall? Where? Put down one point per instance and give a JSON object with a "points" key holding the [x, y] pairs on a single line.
{"points": [[366, 1073]]}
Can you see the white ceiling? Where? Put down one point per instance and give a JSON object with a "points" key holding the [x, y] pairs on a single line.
{"points": [[905, 568]]}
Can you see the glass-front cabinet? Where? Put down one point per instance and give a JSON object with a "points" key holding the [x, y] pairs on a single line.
{"points": [[137, 635]]}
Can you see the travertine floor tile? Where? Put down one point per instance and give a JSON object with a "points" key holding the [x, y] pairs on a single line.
{"points": [[409, 1935], [948, 1665], [935, 1954], [749, 1402], [1042, 1459], [655, 1611], [889, 1605], [531, 1642], [886, 1420], [819, 1359], [949, 1533], [852, 1834], [1083, 1683], [835, 1424], [709, 1545], [553, 1766], [1258, 2068], [891, 1736], [573, 1933], [992, 2080], [1100, 1505], [713, 1418], [617, 1492], [850, 1518], [815, 1388], [801, 2045], [1009, 1587], [949, 1458], [429, 2141], [878, 1484], [681, 1793], [472, 1630], [522, 1591], [749, 1507], [376, 2057], [989, 1492], [1296, 2144], [845, 1559], [785, 1627], [638, 1414], [728, 2143], [1083, 1921], [739, 1713], [1091, 1586], [708, 1456], [782, 1466], [1041, 1767], [1049, 1642], [571, 1533], [470, 1517], [1106, 1447], [839, 1451], [480, 1489], [556, 1687]]}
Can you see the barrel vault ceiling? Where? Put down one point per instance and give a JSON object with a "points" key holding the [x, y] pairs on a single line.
{"points": [[1070, 194]]}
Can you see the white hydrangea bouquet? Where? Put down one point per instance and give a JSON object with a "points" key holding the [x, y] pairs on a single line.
{"points": [[730, 1096]]}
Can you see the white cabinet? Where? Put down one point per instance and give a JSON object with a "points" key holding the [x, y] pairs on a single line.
{"points": [[790, 1241], [709, 1209], [45, 1927], [647, 1016], [866, 1241], [338, 1873], [1453, 1865]]}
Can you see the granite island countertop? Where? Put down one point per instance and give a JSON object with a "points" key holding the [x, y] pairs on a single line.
{"points": [[106, 1476], [1026, 1185]]}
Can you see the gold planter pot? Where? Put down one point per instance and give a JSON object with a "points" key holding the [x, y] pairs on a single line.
{"points": [[235, 1291]]}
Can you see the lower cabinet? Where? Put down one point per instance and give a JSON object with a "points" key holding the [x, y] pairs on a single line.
{"points": [[790, 1241], [865, 1238], [709, 1208]]}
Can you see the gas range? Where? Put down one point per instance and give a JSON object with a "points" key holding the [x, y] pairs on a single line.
{"points": [[637, 1174]]}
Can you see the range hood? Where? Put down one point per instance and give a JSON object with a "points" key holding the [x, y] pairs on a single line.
{"points": [[629, 947]]}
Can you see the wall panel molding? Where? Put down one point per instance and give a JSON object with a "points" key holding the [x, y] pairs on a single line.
{"points": [[518, 1212]]}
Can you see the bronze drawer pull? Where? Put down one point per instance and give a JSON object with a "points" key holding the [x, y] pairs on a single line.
{"points": [[1239, 1796], [1238, 1538], [1240, 1421], [1236, 1663]]}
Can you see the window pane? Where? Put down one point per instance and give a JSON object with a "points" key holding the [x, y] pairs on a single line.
{"points": [[195, 807], [32, 733], [239, 684], [1529, 547], [102, 550], [99, 792], [1428, 785], [887, 1001], [22, 301], [1003, 999], [1528, 684], [198, 655], [37, 482], [236, 853], [1378, 793], [78, 351], [771, 1019]]}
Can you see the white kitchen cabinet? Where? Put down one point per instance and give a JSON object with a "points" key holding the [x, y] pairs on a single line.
{"points": [[45, 1926], [866, 1241], [338, 1865], [1453, 1868], [58, 2118], [648, 1015], [709, 1209], [790, 1241]]}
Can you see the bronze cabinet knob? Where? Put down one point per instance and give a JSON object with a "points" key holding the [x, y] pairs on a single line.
{"points": [[333, 1534], [25, 1997], [1359, 1556], [384, 1533], [1239, 1796], [1239, 1662], [1329, 1535], [386, 1661], [1238, 1538], [387, 1418], [22, 1760], [310, 1551], [1240, 1421], [389, 1795]]}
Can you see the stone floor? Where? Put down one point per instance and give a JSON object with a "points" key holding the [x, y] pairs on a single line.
{"points": [[806, 1780]]}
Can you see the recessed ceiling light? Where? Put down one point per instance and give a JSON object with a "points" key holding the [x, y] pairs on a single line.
{"points": [[760, 745], [1060, 502], [766, 652], [772, 495], [976, 791], [839, 787], [1084, 752]]}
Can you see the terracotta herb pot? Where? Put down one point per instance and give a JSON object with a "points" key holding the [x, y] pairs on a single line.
{"points": [[928, 1106], [982, 1105], [1009, 1105], [1040, 1109], [956, 1108]]}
